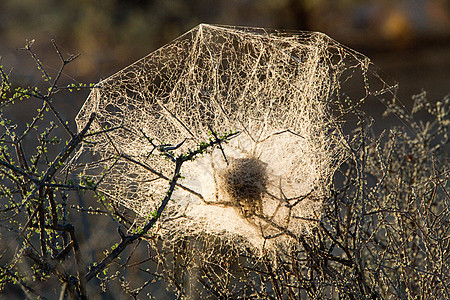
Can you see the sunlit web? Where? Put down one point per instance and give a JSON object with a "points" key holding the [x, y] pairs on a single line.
{"points": [[281, 91]]}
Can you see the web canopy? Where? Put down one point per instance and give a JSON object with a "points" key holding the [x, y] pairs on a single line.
{"points": [[278, 90]]}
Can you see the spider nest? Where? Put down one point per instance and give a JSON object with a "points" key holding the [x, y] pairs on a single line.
{"points": [[244, 181]]}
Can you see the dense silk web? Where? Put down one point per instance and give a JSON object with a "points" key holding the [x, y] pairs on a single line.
{"points": [[282, 92]]}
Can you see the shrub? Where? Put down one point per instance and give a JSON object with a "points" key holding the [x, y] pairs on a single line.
{"points": [[383, 233]]}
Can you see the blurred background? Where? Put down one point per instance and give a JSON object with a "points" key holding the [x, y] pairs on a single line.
{"points": [[408, 39]]}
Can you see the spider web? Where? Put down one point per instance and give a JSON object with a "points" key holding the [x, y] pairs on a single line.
{"points": [[282, 91]]}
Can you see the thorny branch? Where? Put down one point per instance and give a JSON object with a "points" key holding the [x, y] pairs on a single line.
{"points": [[38, 191], [36, 183], [129, 239]]}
